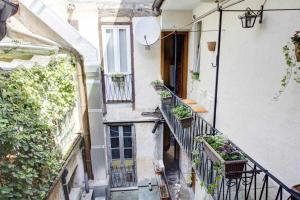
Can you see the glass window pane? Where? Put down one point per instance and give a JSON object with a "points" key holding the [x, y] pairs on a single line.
{"points": [[128, 153], [127, 142], [110, 56], [123, 50], [127, 130], [114, 142], [114, 131], [115, 154]]}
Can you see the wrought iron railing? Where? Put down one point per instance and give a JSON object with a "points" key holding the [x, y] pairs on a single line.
{"points": [[124, 176], [254, 182], [118, 89]]}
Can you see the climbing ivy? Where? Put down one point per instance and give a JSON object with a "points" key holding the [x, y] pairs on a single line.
{"points": [[32, 103]]}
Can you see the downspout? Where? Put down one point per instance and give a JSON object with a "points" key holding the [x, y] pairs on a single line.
{"points": [[65, 184], [84, 119], [218, 66]]}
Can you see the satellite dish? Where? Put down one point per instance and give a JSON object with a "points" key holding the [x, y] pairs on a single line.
{"points": [[147, 31]]}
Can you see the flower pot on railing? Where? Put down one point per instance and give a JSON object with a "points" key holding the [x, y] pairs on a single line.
{"points": [[295, 188], [211, 46], [186, 122], [297, 51], [166, 101], [232, 169], [117, 79]]}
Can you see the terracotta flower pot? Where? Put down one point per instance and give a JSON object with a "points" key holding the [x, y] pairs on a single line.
{"points": [[211, 46], [296, 189], [297, 52]]}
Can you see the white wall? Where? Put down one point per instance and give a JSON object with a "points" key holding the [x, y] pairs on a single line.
{"points": [[251, 67]]}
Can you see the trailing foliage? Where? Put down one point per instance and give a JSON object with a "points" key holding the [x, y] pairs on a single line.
{"points": [[32, 103], [292, 70]]}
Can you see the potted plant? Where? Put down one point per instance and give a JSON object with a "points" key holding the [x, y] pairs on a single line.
{"points": [[183, 115], [211, 46], [195, 75], [219, 150], [118, 77], [296, 42], [157, 84], [166, 97], [189, 181], [296, 189]]}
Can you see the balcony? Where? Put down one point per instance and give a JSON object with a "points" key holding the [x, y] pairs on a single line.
{"points": [[252, 181], [118, 89]]}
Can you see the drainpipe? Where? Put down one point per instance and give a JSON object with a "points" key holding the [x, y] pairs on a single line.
{"points": [[84, 119], [65, 184], [218, 66]]}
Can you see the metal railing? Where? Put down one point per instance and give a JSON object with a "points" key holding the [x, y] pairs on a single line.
{"points": [[118, 89], [123, 176], [254, 182]]}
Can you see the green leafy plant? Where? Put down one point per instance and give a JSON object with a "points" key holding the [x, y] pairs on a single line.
{"points": [[296, 38], [181, 112], [291, 52], [292, 71], [32, 104], [223, 147], [157, 83], [195, 75], [165, 94]]}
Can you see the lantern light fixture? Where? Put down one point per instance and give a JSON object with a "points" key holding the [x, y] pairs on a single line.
{"points": [[249, 18]]}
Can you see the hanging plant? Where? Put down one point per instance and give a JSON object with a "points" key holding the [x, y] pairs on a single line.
{"points": [[291, 53], [296, 41], [195, 75]]}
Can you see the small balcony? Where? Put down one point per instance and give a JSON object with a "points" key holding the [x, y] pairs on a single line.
{"points": [[251, 181], [118, 88]]}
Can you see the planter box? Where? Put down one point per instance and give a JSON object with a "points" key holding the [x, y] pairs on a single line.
{"points": [[158, 87], [166, 101], [118, 79], [186, 122], [230, 167]]}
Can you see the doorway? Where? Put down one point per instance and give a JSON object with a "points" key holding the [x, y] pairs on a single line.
{"points": [[174, 62]]}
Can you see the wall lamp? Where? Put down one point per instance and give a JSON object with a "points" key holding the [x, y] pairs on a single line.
{"points": [[249, 18]]}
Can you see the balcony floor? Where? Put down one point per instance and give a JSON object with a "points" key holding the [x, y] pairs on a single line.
{"points": [[174, 176]]}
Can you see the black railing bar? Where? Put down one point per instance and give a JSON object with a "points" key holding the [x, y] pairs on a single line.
{"points": [[180, 100], [245, 172], [269, 174], [248, 157]]}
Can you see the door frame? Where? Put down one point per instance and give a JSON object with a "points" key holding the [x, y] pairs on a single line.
{"points": [[183, 86]]}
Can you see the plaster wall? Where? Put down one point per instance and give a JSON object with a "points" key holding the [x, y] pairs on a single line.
{"points": [[148, 149], [251, 67], [175, 19]]}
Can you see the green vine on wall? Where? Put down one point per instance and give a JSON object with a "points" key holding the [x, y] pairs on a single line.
{"points": [[32, 103], [292, 71]]}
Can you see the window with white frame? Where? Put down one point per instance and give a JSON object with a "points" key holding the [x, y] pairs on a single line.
{"points": [[197, 37], [116, 46]]}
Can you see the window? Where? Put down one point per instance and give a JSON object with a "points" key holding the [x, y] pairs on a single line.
{"points": [[116, 48], [121, 144], [197, 37]]}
